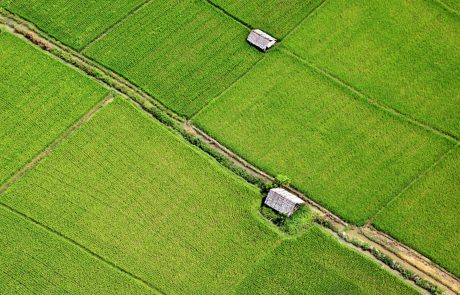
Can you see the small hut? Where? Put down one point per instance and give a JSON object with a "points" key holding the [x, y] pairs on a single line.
{"points": [[261, 40], [283, 201]]}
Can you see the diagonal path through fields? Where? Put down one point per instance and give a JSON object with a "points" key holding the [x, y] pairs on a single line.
{"points": [[412, 182], [87, 250], [115, 87], [53, 145], [115, 25], [380, 105]]}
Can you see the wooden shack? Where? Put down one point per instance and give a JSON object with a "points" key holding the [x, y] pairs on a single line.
{"points": [[261, 40], [283, 201]]}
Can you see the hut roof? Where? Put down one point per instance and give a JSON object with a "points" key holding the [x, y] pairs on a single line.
{"points": [[261, 40], [283, 201]]}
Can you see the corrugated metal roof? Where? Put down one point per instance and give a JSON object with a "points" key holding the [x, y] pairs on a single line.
{"points": [[282, 201], [261, 39]]}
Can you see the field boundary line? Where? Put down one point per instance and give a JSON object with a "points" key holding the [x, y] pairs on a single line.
{"points": [[326, 74], [115, 25], [419, 176], [320, 4], [171, 120], [448, 7], [16, 176], [226, 13], [231, 86], [82, 247]]}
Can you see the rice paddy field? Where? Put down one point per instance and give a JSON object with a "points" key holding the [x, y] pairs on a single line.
{"points": [[111, 188], [46, 99], [275, 17], [75, 23], [358, 105], [426, 216], [182, 52], [319, 134], [403, 54], [41, 262]]}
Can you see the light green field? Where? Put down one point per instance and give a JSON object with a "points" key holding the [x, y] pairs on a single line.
{"points": [[276, 17], [404, 54], [39, 99], [74, 22], [312, 264], [343, 152], [35, 261], [426, 216], [182, 52], [128, 189]]}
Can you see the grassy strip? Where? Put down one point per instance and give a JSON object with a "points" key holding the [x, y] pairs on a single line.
{"points": [[405, 273]]}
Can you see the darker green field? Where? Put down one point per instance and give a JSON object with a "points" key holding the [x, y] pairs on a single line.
{"points": [[343, 152], [404, 54], [426, 216], [35, 261], [75, 23], [39, 99], [182, 52], [129, 190], [276, 17]]}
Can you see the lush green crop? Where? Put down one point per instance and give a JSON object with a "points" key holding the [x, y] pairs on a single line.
{"points": [[73, 22], [402, 53], [343, 152], [35, 261], [312, 264], [39, 98], [277, 17], [182, 52], [426, 216], [128, 189]]}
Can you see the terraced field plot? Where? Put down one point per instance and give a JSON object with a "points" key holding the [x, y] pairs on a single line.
{"points": [[39, 99], [402, 53], [426, 216], [33, 260], [74, 22], [128, 189], [277, 17], [311, 264], [182, 52], [346, 154]]}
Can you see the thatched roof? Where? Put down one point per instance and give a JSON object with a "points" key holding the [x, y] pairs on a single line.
{"points": [[283, 201], [261, 40]]}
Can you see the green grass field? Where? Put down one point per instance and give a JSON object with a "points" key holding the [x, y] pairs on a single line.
{"points": [[426, 216], [401, 53], [276, 17], [128, 189], [35, 261], [311, 264], [39, 98], [183, 56], [344, 153], [74, 22]]}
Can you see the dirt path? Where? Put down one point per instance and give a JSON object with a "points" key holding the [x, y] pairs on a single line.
{"points": [[400, 253]]}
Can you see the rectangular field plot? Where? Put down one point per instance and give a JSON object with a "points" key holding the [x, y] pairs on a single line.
{"points": [[73, 22], [35, 261], [344, 153], [39, 99], [276, 17], [131, 191], [426, 216], [182, 52], [312, 264], [404, 54]]}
